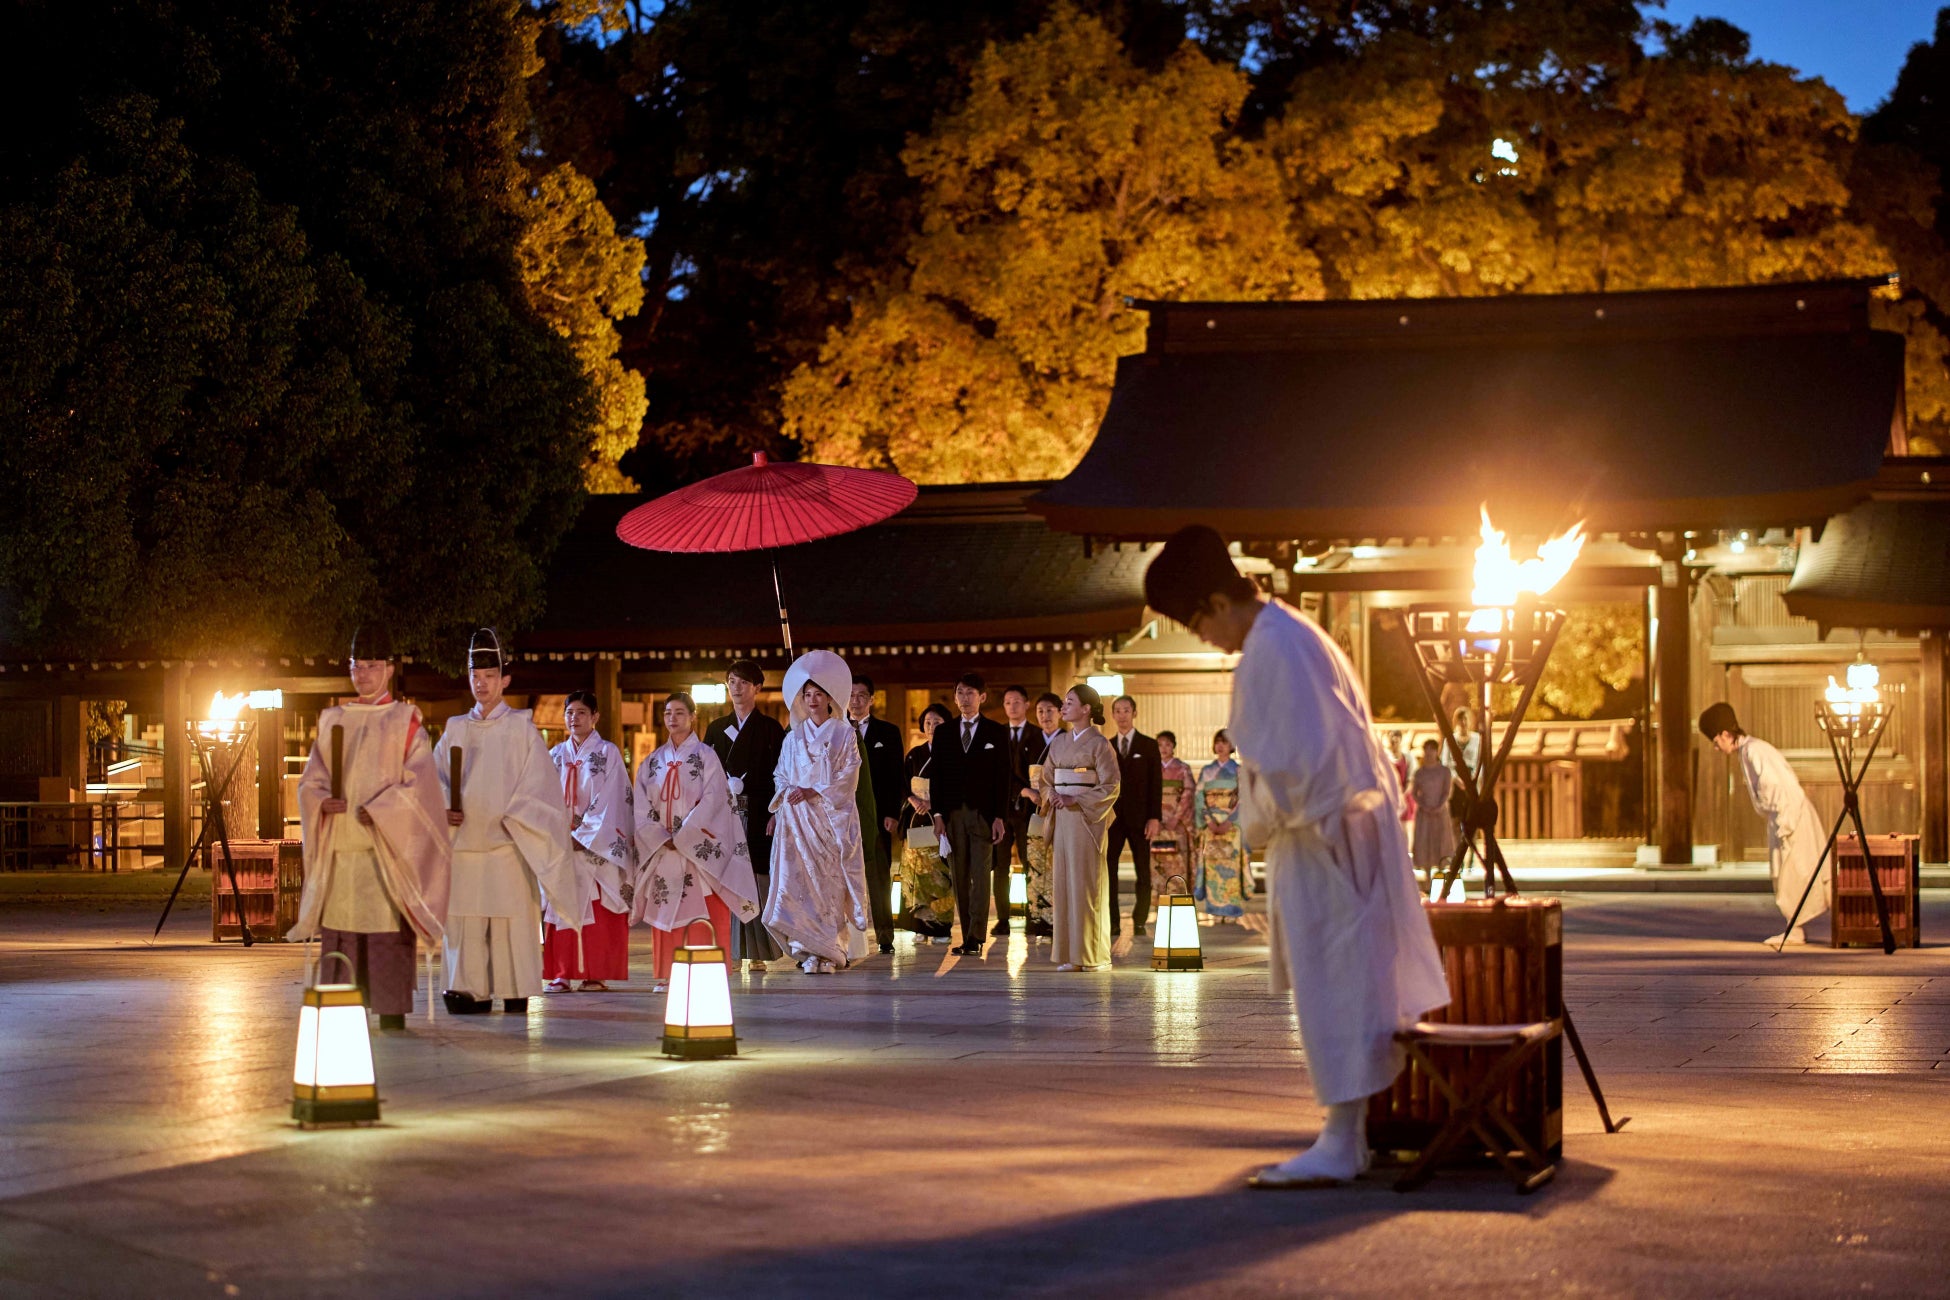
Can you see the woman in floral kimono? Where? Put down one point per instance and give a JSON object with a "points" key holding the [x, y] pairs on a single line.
{"points": [[927, 890], [1221, 848], [1171, 850], [690, 841], [819, 869], [596, 788]]}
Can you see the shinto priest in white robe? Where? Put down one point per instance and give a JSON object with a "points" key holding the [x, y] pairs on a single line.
{"points": [[690, 840], [512, 840], [1795, 836], [819, 869], [596, 791], [1348, 935], [368, 878]]}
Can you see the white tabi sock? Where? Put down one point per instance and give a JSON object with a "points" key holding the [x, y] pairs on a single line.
{"points": [[1339, 1153]]}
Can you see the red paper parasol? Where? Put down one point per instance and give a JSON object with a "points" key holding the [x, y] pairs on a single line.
{"points": [[762, 507]]}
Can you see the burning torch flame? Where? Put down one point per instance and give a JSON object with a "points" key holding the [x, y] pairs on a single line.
{"points": [[224, 713], [1864, 680], [1500, 580]]}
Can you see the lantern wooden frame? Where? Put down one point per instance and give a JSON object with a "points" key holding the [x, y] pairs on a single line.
{"points": [[686, 1040], [1177, 920]]}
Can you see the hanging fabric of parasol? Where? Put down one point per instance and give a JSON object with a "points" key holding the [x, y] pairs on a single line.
{"points": [[762, 507]]}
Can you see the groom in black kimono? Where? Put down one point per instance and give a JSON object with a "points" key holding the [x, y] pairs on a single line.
{"points": [[747, 744]]}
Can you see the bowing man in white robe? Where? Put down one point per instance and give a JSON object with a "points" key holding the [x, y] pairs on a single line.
{"points": [[596, 791], [376, 856], [690, 841], [511, 839], [1796, 840], [1348, 935], [819, 868]]}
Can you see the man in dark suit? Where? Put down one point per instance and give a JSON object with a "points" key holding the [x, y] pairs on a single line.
{"points": [[1140, 807], [880, 742], [747, 743], [970, 789], [1026, 746]]}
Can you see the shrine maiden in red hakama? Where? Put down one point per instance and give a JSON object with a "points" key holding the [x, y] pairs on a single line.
{"points": [[596, 791], [690, 842]]}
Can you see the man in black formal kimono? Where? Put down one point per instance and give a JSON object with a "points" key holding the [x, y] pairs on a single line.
{"points": [[970, 787], [885, 775], [747, 743], [1026, 746], [1140, 807]]}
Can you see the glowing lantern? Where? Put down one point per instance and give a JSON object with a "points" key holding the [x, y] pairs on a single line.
{"points": [[1018, 894], [332, 1079], [894, 895], [1176, 946], [710, 693], [697, 1012]]}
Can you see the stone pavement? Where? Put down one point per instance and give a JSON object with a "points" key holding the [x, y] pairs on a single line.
{"points": [[945, 1127]]}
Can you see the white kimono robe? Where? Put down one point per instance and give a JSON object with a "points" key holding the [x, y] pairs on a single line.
{"points": [[1348, 933], [690, 840], [514, 837], [596, 792], [1795, 835], [366, 878], [819, 870]]}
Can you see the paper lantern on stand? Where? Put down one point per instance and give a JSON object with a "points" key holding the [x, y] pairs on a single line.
{"points": [[697, 1011], [1176, 946], [332, 1080], [894, 895]]}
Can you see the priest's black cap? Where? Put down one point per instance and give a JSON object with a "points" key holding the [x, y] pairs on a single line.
{"points": [[371, 641], [1194, 564], [484, 650], [1718, 718]]}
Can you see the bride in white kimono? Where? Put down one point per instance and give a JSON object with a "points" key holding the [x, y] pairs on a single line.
{"points": [[819, 873], [690, 841]]}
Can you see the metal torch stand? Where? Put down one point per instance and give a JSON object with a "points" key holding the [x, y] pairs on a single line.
{"points": [[1850, 733], [210, 751], [1512, 654]]}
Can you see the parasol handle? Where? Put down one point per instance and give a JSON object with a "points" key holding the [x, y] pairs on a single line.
{"points": [[785, 622]]}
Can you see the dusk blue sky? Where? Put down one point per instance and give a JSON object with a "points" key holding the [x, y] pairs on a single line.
{"points": [[1856, 46]]}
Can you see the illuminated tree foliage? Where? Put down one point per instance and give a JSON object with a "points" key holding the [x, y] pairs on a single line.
{"points": [[1068, 181], [289, 336]]}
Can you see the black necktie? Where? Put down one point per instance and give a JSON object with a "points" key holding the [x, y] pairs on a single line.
{"points": [[967, 735]]}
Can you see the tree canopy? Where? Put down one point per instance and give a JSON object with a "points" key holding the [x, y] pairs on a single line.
{"points": [[821, 268], [289, 336]]}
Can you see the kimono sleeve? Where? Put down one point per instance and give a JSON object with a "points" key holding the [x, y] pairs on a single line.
{"points": [[650, 833], [607, 828], [1302, 743], [538, 823], [314, 788], [712, 829]]}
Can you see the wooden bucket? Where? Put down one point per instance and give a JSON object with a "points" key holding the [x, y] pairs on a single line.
{"points": [[1505, 962], [1851, 905]]}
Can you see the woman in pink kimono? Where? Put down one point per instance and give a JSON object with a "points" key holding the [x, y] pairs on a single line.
{"points": [[819, 873], [1170, 851], [690, 842]]}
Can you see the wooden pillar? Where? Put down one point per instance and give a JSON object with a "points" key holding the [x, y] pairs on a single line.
{"points": [[270, 774], [1675, 662], [609, 699], [71, 739], [1065, 671], [1936, 762], [176, 765]]}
